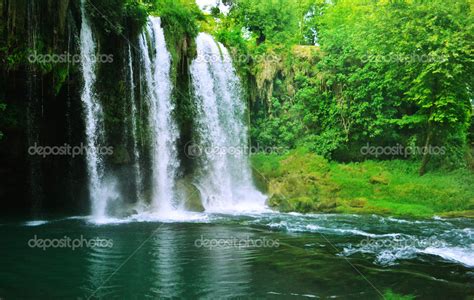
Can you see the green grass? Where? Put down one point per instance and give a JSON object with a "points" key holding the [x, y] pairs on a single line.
{"points": [[303, 181], [389, 295]]}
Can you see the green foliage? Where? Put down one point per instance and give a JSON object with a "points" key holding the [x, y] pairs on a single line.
{"points": [[390, 295], [310, 13], [135, 13], [296, 181], [387, 73], [278, 21], [471, 129], [400, 68], [179, 19], [3, 106], [61, 72], [179, 16], [117, 17], [302, 181], [272, 20], [267, 164], [405, 193]]}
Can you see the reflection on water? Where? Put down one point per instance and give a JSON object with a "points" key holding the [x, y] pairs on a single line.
{"points": [[223, 264], [210, 257], [166, 262], [102, 265]]}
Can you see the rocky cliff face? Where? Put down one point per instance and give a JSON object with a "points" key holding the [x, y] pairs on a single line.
{"points": [[41, 85], [41, 102]]}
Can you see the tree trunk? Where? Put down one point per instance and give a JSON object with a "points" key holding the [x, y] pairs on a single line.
{"points": [[426, 153]]}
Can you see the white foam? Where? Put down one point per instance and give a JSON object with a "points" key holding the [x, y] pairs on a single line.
{"points": [[77, 218], [464, 256], [389, 257], [170, 217], [36, 223], [106, 220], [241, 209], [316, 228]]}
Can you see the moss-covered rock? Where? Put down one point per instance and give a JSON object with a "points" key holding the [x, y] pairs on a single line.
{"points": [[120, 155], [297, 182], [304, 182], [379, 179], [358, 202], [190, 194]]}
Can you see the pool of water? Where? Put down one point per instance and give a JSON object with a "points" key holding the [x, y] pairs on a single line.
{"points": [[267, 255]]}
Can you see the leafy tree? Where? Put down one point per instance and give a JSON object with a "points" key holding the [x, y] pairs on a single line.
{"points": [[402, 63], [388, 72], [180, 15], [109, 15], [272, 20]]}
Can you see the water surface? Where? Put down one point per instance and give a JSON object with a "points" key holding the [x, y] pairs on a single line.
{"points": [[267, 255]]}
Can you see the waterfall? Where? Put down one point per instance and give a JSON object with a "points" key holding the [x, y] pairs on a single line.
{"points": [[164, 131], [34, 114], [100, 192], [135, 118], [224, 179]]}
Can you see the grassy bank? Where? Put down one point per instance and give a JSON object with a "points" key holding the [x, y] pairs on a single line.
{"points": [[304, 182]]}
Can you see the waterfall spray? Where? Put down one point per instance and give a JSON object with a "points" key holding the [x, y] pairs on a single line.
{"points": [[135, 118], [164, 131], [225, 179], [100, 192]]}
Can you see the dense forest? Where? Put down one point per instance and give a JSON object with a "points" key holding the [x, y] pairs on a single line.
{"points": [[344, 74]]}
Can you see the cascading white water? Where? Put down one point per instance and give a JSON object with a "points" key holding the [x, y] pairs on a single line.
{"points": [[164, 131], [100, 193], [225, 179], [135, 117]]}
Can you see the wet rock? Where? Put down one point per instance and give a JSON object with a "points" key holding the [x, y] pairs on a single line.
{"points": [[191, 195], [120, 155]]}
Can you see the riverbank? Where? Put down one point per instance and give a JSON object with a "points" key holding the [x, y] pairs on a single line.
{"points": [[304, 182]]}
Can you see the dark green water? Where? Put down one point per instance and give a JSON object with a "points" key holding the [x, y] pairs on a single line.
{"points": [[261, 256]]}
